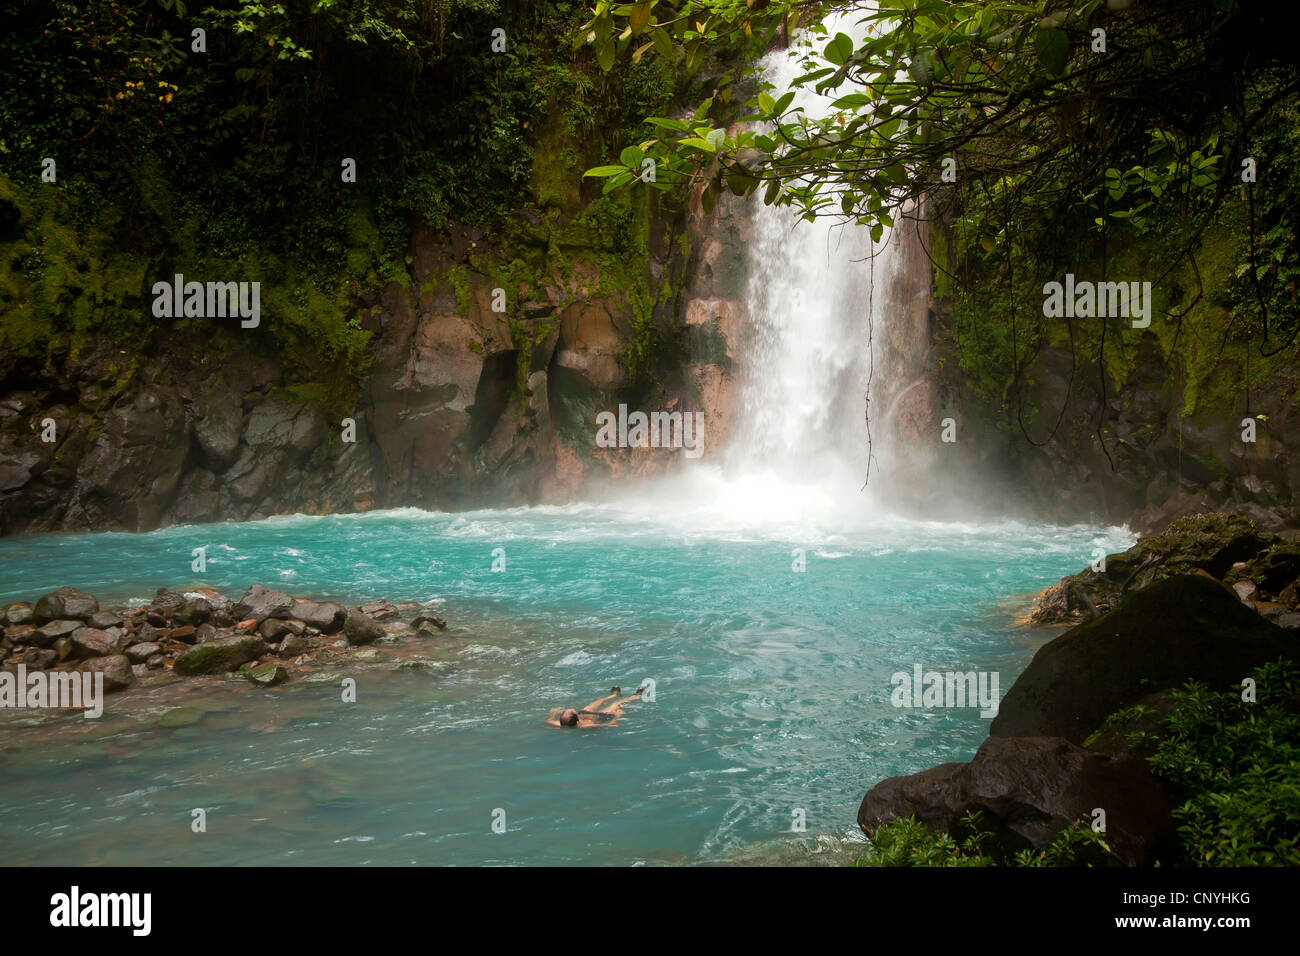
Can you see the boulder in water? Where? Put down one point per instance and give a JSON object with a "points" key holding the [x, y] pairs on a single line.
{"points": [[1182, 628], [360, 629], [380, 610]]}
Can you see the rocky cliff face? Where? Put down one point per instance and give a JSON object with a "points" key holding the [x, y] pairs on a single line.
{"points": [[1156, 431], [487, 367]]}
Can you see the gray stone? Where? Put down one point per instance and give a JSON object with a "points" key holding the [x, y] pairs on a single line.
{"points": [[45, 635], [261, 602], [92, 642], [18, 613], [292, 646], [104, 619], [63, 604], [116, 670], [273, 630], [140, 653], [380, 610], [327, 617], [360, 629]]}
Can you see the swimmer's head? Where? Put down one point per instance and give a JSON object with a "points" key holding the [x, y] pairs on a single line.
{"points": [[569, 717]]}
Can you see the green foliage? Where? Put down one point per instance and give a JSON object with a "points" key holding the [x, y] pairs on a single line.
{"points": [[908, 842], [228, 161], [1237, 766]]}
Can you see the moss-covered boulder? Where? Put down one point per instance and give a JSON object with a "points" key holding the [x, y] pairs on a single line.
{"points": [[1209, 543], [1182, 628], [223, 654]]}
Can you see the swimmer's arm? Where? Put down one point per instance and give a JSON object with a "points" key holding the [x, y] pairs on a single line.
{"points": [[553, 722]]}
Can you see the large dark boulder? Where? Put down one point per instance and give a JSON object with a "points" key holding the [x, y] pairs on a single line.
{"points": [[1182, 628], [1028, 790], [65, 604]]}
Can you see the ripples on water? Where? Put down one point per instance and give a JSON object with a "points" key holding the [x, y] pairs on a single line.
{"points": [[772, 687]]}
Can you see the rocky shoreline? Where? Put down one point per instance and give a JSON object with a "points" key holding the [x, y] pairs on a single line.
{"points": [[1262, 568], [266, 635], [1211, 599]]}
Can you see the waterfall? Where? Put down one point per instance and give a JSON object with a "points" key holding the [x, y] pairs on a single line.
{"points": [[818, 316], [829, 319]]}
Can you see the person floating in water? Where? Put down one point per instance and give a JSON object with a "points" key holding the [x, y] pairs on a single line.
{"points": [[599, 713]]}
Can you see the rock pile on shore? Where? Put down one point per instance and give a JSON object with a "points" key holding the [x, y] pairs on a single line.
{"points": [[199, 631]]}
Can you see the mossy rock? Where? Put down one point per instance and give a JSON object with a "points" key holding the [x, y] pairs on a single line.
{"points": [[1273, 569], [268, 675], [181, 717], [1209, 544], [219, 656]]}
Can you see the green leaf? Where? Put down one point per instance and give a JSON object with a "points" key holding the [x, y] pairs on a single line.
{"points": [[605, 171], [631, 156], [675, 125], [703, 109], [766, 103], [698, 143], [840, 49], [1053, 48], [852, 101], [640, 16], [605, 55], [663, 43], [619, 180], [717, 137]]}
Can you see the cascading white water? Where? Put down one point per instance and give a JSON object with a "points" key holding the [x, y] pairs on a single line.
{"points": [[814, 300], [817, 339]]}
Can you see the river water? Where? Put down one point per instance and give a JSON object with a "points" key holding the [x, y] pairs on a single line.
{"points": [[772, 687]]}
